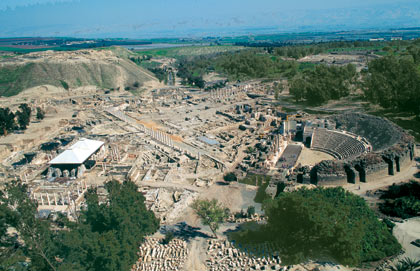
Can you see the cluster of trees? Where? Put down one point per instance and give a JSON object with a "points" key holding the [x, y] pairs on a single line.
{"points": [[401, 200], [297, 51], [10, 121], [327, 224], [160, 74], [105, 236], [139, 59], [393, 82], [242, 65], [191, 73], [250, 64], [324, 83]]}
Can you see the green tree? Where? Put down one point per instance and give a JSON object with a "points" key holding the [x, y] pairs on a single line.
{"points": [[106, 235], [230, 177], [406, 264], [298, 89], [109, 233], [211, 213], [250, 211], [40, 114], [64, 84], [394, 83], [35, 239], [24, 116], [324, 83], [7, 121], [327, 224]]}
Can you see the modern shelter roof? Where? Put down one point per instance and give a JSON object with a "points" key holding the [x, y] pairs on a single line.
{"points": [[78, 153]]}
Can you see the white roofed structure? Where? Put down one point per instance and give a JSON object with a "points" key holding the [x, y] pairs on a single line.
{"points": [[77, 153]]}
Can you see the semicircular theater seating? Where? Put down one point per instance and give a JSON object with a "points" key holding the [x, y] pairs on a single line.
{"points": [[338, 144]]}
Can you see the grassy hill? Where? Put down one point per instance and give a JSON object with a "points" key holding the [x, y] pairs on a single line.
{"points": [[105, 69]]}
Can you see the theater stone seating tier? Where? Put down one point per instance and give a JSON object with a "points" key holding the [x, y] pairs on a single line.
{"points": [[338, 144]]}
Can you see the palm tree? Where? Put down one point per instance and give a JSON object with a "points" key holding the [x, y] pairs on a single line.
{"points": [[406, 264]]}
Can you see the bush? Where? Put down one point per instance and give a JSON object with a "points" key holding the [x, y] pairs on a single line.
{"points": [[40, 114], [230, 177], [250, 211], [401, 200], [64, 84], [169, 235]]}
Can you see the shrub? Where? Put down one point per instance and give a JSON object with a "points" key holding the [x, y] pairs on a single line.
{"points": [[250, 211], [230, 177], [169, 235]]}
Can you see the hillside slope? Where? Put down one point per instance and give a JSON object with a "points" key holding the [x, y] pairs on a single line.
{"points": [[102, 68]]}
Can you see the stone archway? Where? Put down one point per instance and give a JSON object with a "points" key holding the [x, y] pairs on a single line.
{"points": [[351, 176], [397, 163], [411, 153], [314, 176], [300, 178], [390, 163], [362, 173], [308, 141]]}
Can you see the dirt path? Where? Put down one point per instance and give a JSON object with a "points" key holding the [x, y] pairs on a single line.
{"points": [[177, 186], [407, 232], [197, 256]]}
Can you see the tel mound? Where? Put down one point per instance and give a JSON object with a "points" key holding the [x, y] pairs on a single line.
{"points": [[102, 68]]}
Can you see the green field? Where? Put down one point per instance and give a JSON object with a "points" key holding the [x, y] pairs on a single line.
{"points": [[355, 49], [20, 50], [189, 51]]}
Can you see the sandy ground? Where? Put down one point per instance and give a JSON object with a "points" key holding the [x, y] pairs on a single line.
{"points": [[407, 232], [197, 256], [407, 173], [310, 157]]}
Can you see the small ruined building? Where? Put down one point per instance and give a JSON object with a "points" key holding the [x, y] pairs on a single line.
{"points": [[74, 161]]}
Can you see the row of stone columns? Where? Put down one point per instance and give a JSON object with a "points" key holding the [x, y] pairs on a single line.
{"points": [[220, 93], [59, 199], [155, 134]]}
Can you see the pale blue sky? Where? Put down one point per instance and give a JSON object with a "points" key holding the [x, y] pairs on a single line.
{"points": [[158, 18]]}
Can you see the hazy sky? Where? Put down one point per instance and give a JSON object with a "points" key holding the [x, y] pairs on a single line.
{"points": [[155, 18]]}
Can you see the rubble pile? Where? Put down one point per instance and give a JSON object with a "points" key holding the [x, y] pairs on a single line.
{"points": [[222, 255], [253, 218], [154, 256]]}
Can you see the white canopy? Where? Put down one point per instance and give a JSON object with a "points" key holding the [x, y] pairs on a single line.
{"points": [[78, 153]]}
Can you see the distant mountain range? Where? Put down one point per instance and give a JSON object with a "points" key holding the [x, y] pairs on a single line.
{"points": [[386, 16]]}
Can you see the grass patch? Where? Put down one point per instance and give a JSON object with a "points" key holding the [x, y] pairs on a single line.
{"points": [[176, 52], [303, 66], [22, 50], [355, 49], [262, 182], [9, 77], [316, 112], [150, 64]]}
